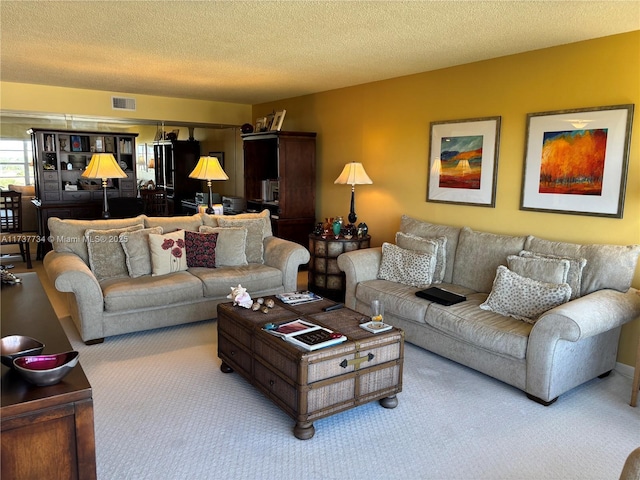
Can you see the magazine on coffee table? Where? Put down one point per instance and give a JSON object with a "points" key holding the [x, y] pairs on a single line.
{"points": [[297, 298], [305, 334]]}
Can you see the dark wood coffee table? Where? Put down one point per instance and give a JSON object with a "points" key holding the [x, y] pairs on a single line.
{"points": [[47, 432], [309, 385]]}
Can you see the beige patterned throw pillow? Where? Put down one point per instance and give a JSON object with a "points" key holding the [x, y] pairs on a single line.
{"points": [[574, 276], [524, 298], [406, 266], [230, 249], [136, 250], [435, 245], [106, 256]]}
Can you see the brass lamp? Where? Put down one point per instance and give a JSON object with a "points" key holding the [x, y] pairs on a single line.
{"points": [[104, 166], [208, 168], [353, 174]]}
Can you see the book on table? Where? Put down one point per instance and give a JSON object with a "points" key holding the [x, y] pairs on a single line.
{"points": [[297, 298], [306, 335]]}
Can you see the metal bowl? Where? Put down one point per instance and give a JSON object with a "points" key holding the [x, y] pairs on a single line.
{"points": [[44, 370], [15, 346]]}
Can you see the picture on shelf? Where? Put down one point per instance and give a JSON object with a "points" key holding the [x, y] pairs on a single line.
{"points": [[76, 143], [277, 120]]}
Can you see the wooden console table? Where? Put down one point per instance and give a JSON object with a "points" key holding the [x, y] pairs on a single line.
{"points": [[47, 432]]}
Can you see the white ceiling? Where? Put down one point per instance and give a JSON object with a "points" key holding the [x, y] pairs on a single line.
{"points": [[257, 51]]}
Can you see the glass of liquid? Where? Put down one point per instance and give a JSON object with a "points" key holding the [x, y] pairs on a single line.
{"points": [[377, 310]]}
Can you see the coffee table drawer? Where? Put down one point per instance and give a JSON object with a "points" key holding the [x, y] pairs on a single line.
{"points": [[234, 331], [236, 356], [276, 386]]}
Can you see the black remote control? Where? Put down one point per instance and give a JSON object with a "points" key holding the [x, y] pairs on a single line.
{"points": [[337, 306]]}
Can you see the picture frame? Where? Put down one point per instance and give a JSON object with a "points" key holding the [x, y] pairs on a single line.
{"points": [[576, 161], [219, 156], [76, 143], [277, 120], [261, 123], [463, 161]]}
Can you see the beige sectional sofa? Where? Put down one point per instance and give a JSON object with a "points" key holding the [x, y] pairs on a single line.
{"points": [[124, 275], [548, 348]]}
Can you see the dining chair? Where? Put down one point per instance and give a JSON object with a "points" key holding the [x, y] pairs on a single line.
{"points": [[11, 223], [155, 202]]}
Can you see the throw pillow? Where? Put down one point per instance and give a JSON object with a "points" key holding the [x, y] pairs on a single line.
{"points": [[524, 298], [213, 220], [574, 276], [230, 248], [549, 270], [201, 249], [136, 250], [255, 234], [167, 253], [409, 241], [106, 256], [406, 266]]}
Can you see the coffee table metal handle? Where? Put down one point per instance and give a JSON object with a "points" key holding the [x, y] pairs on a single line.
{"points": [[356, 361]]}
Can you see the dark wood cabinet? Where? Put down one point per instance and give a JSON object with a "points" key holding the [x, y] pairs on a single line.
{"points": [[175, 160], [60, 157], [47, 432], [280, 175]]}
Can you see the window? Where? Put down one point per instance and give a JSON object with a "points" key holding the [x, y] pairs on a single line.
{"points": [[16, 165]]}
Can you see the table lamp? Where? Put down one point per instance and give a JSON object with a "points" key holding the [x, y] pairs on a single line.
{"points": [[353, 174], [208, 168], [104, 166]]}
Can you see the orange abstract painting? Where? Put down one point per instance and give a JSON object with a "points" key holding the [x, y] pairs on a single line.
{"points": [[573, 162]]}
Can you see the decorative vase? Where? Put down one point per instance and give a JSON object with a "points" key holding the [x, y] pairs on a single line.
{"points": [[363, 230], [327, 227], [319, 229], [337, 227]]}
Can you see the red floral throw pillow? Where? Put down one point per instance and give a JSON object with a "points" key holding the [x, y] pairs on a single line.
{"points": [[201, 249]]}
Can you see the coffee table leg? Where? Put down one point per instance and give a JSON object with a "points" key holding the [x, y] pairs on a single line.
{"points": [[389, 402], [224, 368], [304, 430]]}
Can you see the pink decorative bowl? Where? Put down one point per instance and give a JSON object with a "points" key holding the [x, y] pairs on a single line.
{"points": [[44, 370], [14, 346]]}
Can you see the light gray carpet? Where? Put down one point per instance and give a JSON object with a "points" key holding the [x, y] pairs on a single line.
{"points": [[163, 410]]}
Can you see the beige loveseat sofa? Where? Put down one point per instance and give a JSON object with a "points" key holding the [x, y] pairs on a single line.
{"points": [[545, 355], [125, 275]]}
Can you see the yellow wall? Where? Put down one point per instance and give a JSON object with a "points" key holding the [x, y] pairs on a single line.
{"points": [[385, 125], [73, 101]]}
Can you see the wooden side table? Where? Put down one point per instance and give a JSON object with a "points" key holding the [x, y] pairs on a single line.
{"points": [[325, 278]]}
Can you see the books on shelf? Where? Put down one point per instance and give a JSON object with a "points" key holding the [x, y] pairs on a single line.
{"points": [[305, 334], [376, 327], [296, 298]]}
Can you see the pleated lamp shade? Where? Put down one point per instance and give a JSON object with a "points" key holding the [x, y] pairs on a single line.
{"points": [[103, 165]]}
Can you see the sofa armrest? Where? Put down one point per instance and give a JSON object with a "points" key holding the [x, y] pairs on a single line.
{"points": [[69, 273], [577, 341], [590, 315], [287, 257], [359, 266]]}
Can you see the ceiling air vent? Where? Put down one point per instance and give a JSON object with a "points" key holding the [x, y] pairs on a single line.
{"points": [[123, 103]]}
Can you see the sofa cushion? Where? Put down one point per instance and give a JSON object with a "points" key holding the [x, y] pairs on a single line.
{"points": [[106, 256], [254, 248], [167, 253], [232, 242], [549, 270], [408, 267], [136, 250], [478, 256], [200, 249], [122, 294], [254, 277], [265, 215], [574, 275], [171, 224], [433, 231], [68, 234], [413, 242], [608, 266], [524, 298], [482, 328]]}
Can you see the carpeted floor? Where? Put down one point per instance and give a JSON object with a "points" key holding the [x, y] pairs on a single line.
{"points": [[164, 410]]}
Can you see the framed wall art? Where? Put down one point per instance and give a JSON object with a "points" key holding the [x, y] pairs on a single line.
{"points": [[463, 161], [277, 120], [576, 161]]}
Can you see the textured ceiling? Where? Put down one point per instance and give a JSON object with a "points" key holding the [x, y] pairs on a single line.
{"points": [[259, 51]]}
